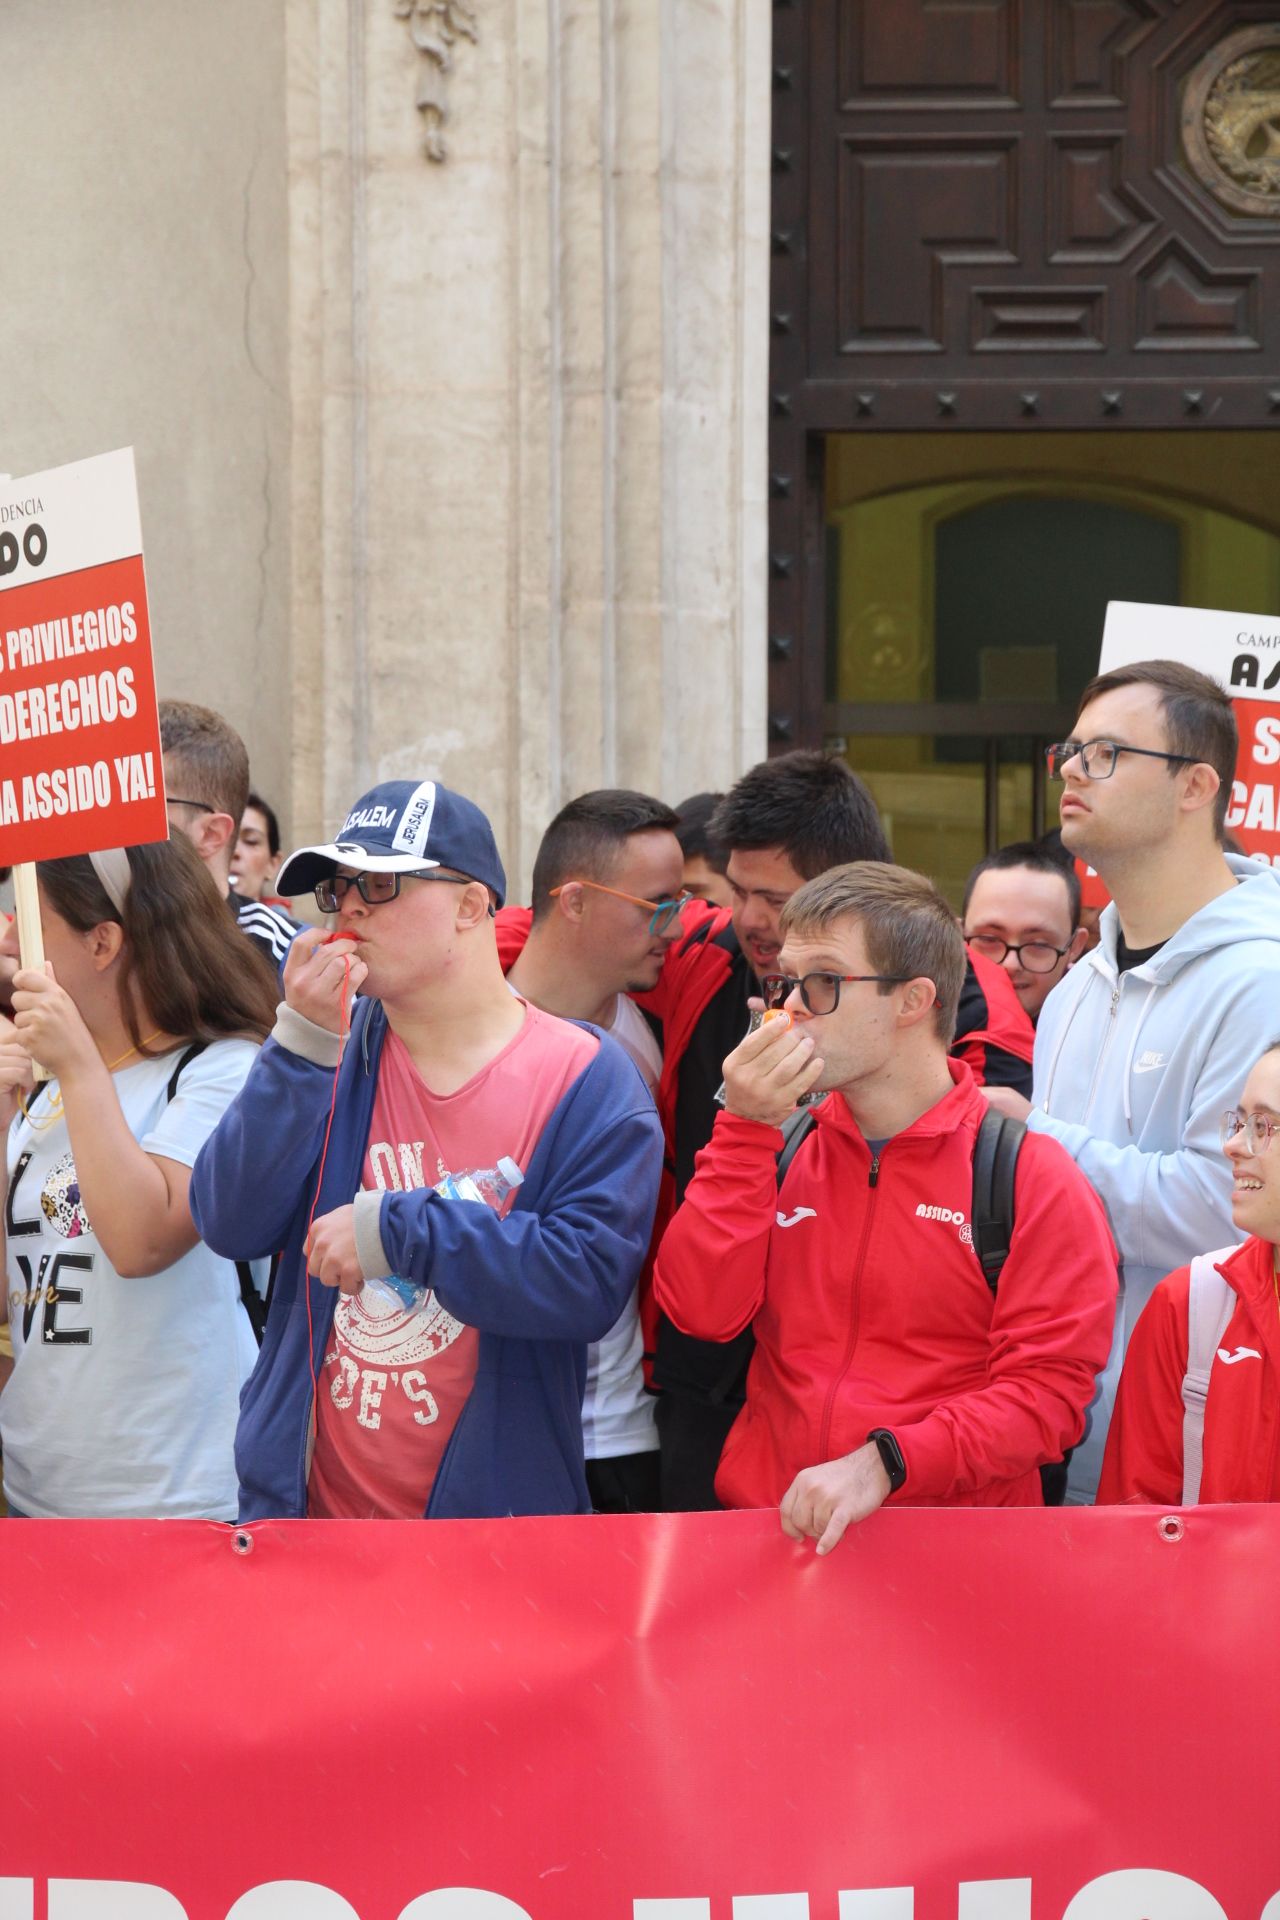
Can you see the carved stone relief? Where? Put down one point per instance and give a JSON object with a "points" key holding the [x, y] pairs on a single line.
{"points": [[435, 27], [1231, 121]]}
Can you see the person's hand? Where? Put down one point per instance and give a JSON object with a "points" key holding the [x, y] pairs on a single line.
{"points": [[822, 1502], [16, 1076], [315, 977], [48, 1024], [1005, 1100], [767, 1072], [331, 1250]]}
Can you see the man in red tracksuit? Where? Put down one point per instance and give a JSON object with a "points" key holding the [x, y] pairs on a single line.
{"points": [[785, 821], [883, 1363]]}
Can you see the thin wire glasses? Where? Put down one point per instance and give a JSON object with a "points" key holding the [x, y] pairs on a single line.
{"points": [[819, 992], [1098, 757], [1257, 1129], [1037, 956], [662, 913], [375, 889]]}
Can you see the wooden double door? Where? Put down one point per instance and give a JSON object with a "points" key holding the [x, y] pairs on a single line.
{"points": [[1005, 231]]}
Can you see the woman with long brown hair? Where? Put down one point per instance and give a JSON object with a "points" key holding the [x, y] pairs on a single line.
{"points": [[131, 1339]]}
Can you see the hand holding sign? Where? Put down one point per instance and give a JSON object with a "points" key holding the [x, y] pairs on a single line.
{"points": [[16, 1076], [49, 1025]]}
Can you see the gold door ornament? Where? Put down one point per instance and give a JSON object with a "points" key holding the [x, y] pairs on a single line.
{"points": [[1231, 121]]}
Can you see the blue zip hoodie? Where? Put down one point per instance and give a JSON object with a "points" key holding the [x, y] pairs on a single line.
{"points": [[537, 1286], [1132, 1074]]}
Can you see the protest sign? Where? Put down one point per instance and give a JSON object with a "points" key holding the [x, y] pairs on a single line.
{"points": [[982, 1714], [1242, 652], [79, 730]]}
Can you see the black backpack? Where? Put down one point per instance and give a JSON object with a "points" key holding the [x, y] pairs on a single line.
{"points": [[254, 1304]]}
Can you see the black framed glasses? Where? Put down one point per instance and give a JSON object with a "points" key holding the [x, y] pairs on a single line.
{"points": [[819, 992], [1098, 757], [1258, 1129], [201, 806], [1037, 956], [375, 889]]}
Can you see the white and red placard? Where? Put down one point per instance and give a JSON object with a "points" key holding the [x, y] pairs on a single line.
{"points": [[1242, 652], [79, 729], [982, 1714]]}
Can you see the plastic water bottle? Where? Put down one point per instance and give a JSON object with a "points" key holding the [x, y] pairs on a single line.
{"points": [[491, 1186]]}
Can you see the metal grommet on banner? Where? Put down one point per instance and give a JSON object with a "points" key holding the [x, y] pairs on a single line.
{"points": [[241, 1542], [1170, 1528]]}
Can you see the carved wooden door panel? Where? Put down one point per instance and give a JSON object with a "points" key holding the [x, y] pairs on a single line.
{"points": [[1009, 214]]}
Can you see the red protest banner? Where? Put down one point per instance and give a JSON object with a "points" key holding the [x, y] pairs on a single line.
{"points": [[960, 1715], [79, 731]]}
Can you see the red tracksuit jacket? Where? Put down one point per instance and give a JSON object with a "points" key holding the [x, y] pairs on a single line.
{"points": [[870, 1308], [1143, 1461]]}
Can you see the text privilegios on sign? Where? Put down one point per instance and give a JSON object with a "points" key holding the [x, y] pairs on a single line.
{"points": [[79, 730]]}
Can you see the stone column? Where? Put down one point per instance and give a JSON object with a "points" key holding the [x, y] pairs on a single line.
{"points": [[529, 398]]}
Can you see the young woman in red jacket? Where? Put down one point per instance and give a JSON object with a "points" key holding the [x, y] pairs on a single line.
{"points": [[1155, 1450]]}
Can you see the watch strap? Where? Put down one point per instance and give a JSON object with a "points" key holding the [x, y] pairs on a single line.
{"points": [[890, 1456]]}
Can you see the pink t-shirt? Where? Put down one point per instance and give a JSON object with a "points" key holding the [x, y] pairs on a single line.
{"points": [[396, 1379]]}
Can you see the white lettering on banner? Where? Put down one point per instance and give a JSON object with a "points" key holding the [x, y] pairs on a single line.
{"points": [[135, 775], [1134, 1893], [112, 1900], [292, 1900], [462, 1903], [1144, 1893], [64, 706], [17, 1899], [995, 1900], [66, 790], [1266, 741], [670, 1910]]}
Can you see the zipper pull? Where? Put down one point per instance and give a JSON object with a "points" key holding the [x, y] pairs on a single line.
{"points": [[874, 1174], [1115, 1000]]}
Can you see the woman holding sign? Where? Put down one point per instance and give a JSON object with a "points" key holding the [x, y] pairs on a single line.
{"points": [[131, 1339]]}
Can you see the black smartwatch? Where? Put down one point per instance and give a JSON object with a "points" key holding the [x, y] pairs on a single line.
{"points": [[890, 1456]]}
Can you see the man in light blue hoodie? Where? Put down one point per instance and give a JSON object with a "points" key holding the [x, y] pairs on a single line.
{"points": [[1148, 1040]]}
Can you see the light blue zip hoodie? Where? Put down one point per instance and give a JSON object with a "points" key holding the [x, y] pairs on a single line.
{"points": [[1132, 1075]]}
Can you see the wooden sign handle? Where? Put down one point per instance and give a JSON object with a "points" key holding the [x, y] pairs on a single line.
{"points": [[26, 902]]}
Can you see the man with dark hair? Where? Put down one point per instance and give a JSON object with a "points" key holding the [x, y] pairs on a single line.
{"points": [[703, 856], [786, 821], [885, 1365], [1022, 911], [1149, 1039], [606, 906], [206, 783]]}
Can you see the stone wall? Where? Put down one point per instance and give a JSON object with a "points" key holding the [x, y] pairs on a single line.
{"points": [[450, 466], [145, 303]]}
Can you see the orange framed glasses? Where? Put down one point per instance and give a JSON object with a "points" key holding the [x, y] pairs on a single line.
{"points": [[662, 913]]}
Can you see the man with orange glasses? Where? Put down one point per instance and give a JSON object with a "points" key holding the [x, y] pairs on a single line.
{"points": [[607, 900]]}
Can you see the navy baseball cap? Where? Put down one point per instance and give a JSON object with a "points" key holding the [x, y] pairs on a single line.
{"points": [[403, 826]]}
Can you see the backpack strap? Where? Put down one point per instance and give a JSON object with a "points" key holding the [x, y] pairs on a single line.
{"points": [[1210, 1304], [995, 1162], [254, 1305], [796, 1129]]}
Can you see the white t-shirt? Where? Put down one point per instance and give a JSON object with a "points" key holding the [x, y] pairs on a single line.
{"points": [[617, 1413], [125, 1392]]}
